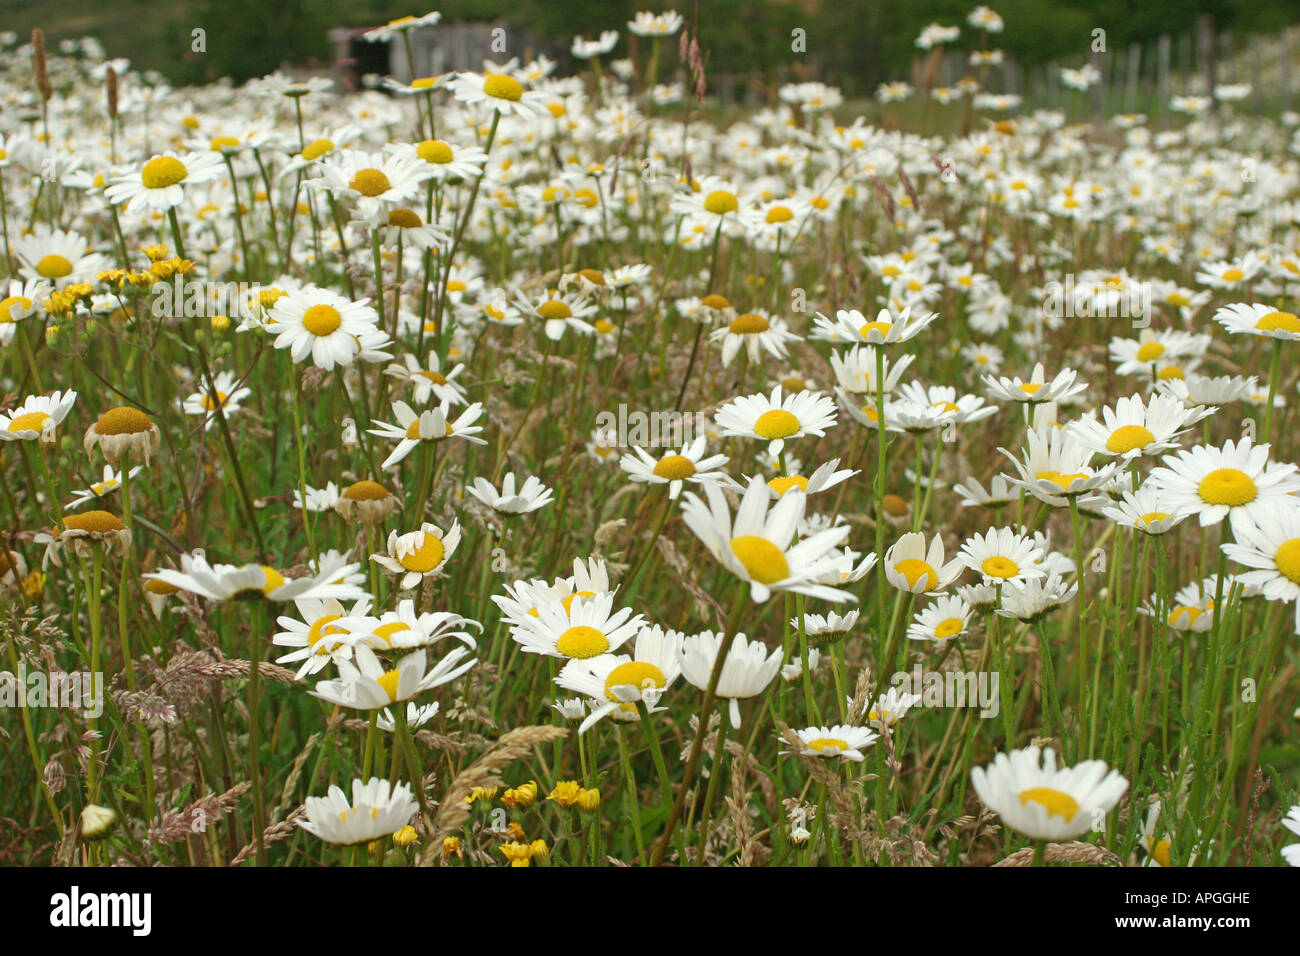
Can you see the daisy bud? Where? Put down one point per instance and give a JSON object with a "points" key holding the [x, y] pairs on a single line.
{"points": [[97, 822]]}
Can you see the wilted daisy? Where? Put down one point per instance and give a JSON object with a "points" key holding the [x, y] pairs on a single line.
{"points": [[829, 628], [1235, 481], [746, 671], [37, 418], [911, 566], [418, 554], [676, 468], [377, 810], [323, 325], [123, 432], [1043, 802], [159, 184], [82, 532], [775, 418], [841, 740], [756, 546], [366, 500], [528, 497]]}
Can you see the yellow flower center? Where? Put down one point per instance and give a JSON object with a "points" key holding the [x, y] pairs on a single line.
{"points": [[322, 320], [1055, 802], [779, 214], [210, 406], [424, 558], [503, 87], [1150, 351], [1279, 322], [385, 632], [31, 421], [435, 151], [1151, 517], [218, 143], [1057, 478], [776, 423], [720, 202], [554, 309], [784, 483], [1233, 275], [1128, 438], [94, 522], [830, 745], [1031, 388], [1186, 614], [1160, 853], [764, 562], [948, 627], [913, 568], [639, 674], [163, 171], [749, 323], [123, 420], [404, 219], [674, 467], [1288, 559], [7, 305], [715, 301], [881, 327], [366, 490], [322, 628], [370, 182], [53, 267], [317, 148], [1000, 567], [389, 683], [1227, 486], [582, 642]]}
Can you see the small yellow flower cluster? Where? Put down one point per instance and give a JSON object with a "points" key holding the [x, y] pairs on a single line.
{"points": [[568, 793]]}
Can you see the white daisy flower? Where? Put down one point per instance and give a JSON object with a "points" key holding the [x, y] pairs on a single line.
{"points": [[676, 468], [911, 566], [841, 740], [418, 554], [377, 810], [1236, 481], [746, 672], [775, 419], [1043, 802]]}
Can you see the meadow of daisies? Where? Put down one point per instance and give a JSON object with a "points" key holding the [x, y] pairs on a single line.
{"points": [[516, 468]]}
